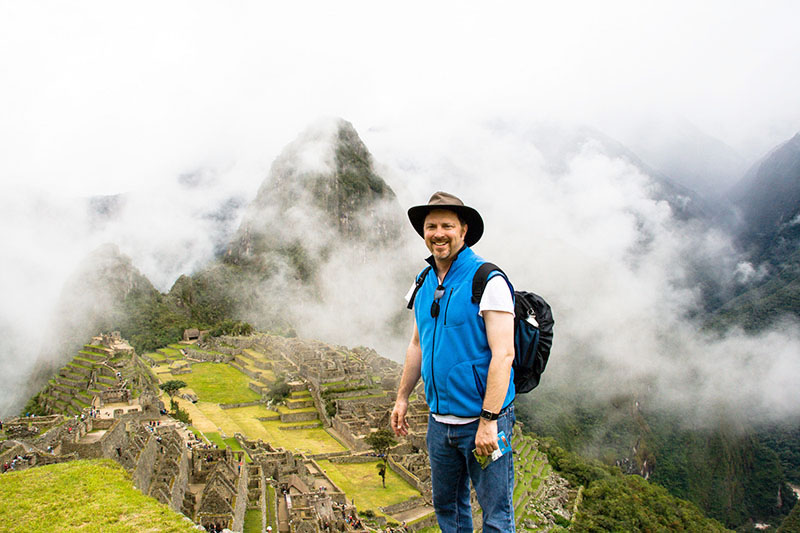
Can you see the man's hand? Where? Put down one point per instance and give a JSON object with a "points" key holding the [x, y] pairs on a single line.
{"points": [[486, 437], [399, 422]]}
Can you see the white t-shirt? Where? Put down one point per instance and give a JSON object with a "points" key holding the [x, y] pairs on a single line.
{"points": [[496, 297]]}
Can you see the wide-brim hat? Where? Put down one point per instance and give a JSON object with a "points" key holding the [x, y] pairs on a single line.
{"points": [[443, 200]]}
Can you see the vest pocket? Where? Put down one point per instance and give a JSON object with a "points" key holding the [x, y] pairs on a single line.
{"points": [[478, 381]]}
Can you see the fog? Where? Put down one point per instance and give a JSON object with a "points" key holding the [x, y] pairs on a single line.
{"points": [[177, 112]]}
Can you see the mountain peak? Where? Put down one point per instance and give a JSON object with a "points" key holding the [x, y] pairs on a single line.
{"points": [[324, 180]]}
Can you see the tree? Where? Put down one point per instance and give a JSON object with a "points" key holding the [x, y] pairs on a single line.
{"points": [[381, 466], [171, 387], [278, 391], [381, 441]]}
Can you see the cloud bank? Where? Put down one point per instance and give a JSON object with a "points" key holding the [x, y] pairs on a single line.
{"points": [[182, 108]]}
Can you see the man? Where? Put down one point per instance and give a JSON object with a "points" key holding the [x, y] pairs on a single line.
{"points": [[463, 351]]}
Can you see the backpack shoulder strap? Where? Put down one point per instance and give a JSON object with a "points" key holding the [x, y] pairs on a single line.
{"points": [[480, 278], [417, 285]]}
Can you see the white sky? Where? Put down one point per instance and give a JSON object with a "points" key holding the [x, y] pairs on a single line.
{"points": [[105, 97]]}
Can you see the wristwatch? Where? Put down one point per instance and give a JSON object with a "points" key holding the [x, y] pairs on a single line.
{"points": [[488, 415]]}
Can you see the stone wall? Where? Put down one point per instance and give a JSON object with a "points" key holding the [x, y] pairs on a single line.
{"points": [[242, 497], [235, 405], [181, 481], [354, 459], [299, 417], [239, 365], [295, 428], [320, 405], [355, 393], [106, 446], [428, 521], [329, 455], [195, 354], [401, 471], [145, 462], [300, 403], [416, 501], [344, 430]]}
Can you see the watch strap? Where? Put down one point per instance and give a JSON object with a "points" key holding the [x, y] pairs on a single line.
{"points": [[488, 415]]}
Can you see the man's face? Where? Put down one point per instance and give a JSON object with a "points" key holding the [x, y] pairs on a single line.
{"points": [[444, 234]]}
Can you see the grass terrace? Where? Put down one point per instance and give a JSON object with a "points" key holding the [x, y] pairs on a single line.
{"points": [[361, 482], [272, 520], [252, 521], [230, 442], [86, 496], [311, 438], [219, 383]]}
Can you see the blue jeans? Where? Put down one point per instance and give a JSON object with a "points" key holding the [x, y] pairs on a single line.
{"points": [[453, 466]]}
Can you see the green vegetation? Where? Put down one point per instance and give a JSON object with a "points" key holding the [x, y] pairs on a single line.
{"points": [[613, 501], [231, 327], [358, 481], [33, 407], [217, 439], [381, 441], [171, 387], [272, 520], [252, 521], [725, 471], [278, 391], [94, 496], [784, 440], [149, 321], [219, 383], [792, 522]]}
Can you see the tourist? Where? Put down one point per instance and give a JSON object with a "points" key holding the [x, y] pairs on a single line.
{"points": [[457, 365]]}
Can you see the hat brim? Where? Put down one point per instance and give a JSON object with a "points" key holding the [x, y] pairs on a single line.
{"points": [[470, 216]]}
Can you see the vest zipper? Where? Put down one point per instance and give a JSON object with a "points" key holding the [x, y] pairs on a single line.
{"points": [[433, 340], [433, 371], [447, 305]]}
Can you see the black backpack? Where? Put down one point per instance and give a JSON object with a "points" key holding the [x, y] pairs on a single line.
{"points": [[533, 328]]}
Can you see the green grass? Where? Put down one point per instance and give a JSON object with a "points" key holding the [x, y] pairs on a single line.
{"points": [[155, 356], [361, 482], [285, 410], [272, 520], [252, 521], [364, 397], [215, 438], [230, 442], [197, 432], [311, 440], [219, 383], [87, 496]]}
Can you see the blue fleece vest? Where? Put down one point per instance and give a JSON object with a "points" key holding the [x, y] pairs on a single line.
{"points": [[455, 350]]}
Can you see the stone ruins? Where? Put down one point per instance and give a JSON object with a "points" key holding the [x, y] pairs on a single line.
{"points": [[105, 403]]}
